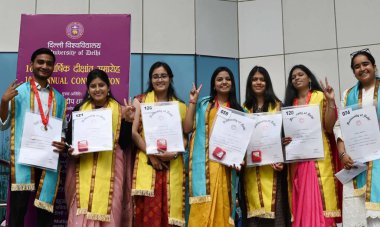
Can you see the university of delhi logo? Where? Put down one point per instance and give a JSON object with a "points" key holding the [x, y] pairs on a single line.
{"points": [[74, 30]]}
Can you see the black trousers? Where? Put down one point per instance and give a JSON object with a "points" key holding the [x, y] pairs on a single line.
{"points": [[19, 204]]}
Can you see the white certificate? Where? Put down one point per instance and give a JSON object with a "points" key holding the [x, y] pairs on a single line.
{"points": [[360, 131], [265, 146], [345, 175], [92, 131], [36, 149], [230, 136], [303, 125], [162, 127]]}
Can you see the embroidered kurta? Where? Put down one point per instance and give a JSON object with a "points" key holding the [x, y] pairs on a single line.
{"points": [[22, 176]]}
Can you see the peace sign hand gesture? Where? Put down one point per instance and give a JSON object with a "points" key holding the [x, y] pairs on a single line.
{"points": [[194, 93], [128, 110], [328, 90], [11, 92]]}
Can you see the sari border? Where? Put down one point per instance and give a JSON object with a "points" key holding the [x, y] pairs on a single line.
{"points": [[369, 182], [12, 143], [98, 217], [92, 184], [200, 199], [372, 206], [274, 193], [177, 222], [23, 187], [259, 190], [207, 168], [43, 205]]}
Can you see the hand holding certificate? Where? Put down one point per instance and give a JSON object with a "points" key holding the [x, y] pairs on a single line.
{"points": [[230, 136], [265, 145], [162, 127], [345, 175], [36, 143], [303, 125], [361, 133], [92, 131]]}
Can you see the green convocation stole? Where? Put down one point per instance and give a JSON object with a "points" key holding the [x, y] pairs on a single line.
{"points": [[22, 176], [367, 182]]}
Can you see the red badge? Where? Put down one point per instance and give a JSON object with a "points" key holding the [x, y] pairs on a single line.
{"points": [[256, 156], [162, 144], [219, 153], [82, 146]]}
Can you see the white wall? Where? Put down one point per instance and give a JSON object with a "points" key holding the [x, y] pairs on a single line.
{"points": [[216, 28], [319, 34], [273, 33]]}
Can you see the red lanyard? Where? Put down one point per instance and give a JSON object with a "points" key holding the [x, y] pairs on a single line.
{"points": [[45, 119], [295, 103]]}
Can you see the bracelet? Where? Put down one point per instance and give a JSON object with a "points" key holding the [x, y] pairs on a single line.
{"points": [[342, 155], [192, 101]]}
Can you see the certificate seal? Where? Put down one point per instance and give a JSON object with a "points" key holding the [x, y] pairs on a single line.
{"points": [[358, 123]]}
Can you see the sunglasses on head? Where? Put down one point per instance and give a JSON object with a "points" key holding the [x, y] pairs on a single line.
{"points": [[366, 50]]}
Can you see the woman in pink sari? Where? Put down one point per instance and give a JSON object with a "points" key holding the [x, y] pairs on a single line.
{"points": [[95, 187], [312, 186]]}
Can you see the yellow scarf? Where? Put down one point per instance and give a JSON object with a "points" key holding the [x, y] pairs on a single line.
{"points": [[260, 186], [144, 176], [325, 168], [95, 174]]}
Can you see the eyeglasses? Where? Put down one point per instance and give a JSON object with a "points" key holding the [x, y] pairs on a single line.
{"points": [[366, 50], [158, 76]]}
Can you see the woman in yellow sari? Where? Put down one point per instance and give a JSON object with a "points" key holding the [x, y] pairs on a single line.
{"points": [[312, 185], [266, 202], [95, 182], [212, 185], [158, 183]]}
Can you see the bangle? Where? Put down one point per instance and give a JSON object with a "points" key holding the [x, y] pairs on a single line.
{"points": [[192, 101], [341, 155]]}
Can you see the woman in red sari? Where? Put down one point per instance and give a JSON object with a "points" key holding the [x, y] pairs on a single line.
{"points": [[159, 179]]}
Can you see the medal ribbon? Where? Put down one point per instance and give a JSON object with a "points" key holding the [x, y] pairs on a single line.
{"points": [[45, 119]]}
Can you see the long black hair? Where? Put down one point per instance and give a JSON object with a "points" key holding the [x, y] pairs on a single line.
{"points": [[234, 104], [291, 93], [96, 73], [171, 91], [269, 95]]}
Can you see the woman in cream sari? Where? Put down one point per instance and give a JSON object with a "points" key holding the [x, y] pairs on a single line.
{"points": [[361, 196], [158, 180]]}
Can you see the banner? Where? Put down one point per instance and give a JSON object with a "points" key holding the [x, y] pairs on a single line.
{"points": [[80, 43]]}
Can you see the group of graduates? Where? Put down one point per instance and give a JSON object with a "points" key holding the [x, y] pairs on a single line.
{"points": [[128, 187]]}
